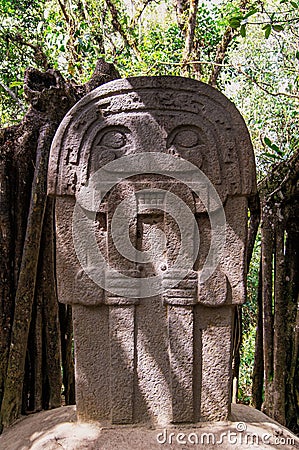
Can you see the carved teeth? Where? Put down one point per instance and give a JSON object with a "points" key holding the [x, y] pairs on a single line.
{"points": [[150, 200]]}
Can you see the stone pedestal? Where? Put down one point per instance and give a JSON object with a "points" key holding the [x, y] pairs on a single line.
{"points": [[58, 428]]}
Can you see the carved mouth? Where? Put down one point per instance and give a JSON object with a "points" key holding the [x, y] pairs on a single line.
{"points": [[149, 199]]}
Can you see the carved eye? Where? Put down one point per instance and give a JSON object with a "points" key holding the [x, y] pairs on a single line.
{"points": [[185, 137], [112, 139], [185, 142], [111, 142]]}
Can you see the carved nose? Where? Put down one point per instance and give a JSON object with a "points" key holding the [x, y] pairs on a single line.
{"points": [[150, 136]]}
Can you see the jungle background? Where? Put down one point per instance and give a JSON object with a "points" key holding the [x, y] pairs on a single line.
{"points": [[52, 52]]}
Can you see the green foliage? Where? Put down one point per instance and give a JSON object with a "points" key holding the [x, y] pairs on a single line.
{"points": [[246, 366], [147, 39], [268, 29], [260, 14], [161, 49], [211, 25], [249, 320], [276, 153], [14, 56], [267, 90], [249, 308], [40, 34]]}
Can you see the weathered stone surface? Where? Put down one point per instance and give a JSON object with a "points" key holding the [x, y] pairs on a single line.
{"points": [[57, 429], [181, 348], [216, 337], [171, 114], [163, 357], [92, 356]]}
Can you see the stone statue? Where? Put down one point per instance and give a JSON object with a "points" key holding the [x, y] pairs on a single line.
{"points": [[153, 322]]}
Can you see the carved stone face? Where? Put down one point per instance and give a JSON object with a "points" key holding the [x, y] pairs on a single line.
{"points": [[183, 118], [130, 133], [174, 116], [164, 114]]}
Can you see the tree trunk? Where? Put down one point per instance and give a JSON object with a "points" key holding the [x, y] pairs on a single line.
{"points": [[12, 399], [6, 268], [222, 48], [51, 332], [188, 51], [66, 330], [258, 369], [267, 253], [280, 213], [280, 317], [292, 328], [30, 372], [255, 217]]}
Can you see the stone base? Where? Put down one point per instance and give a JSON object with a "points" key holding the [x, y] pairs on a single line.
{"points": [[58, 429]]}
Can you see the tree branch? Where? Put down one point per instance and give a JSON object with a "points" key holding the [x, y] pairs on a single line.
{"points": [[139, 12], [189, 44], [119, 28], [273, 22], [232, 66], [64, 12], [12, 95], [220, 55], [181, 8], [222, 49], [39, 56], [263, 88]]}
